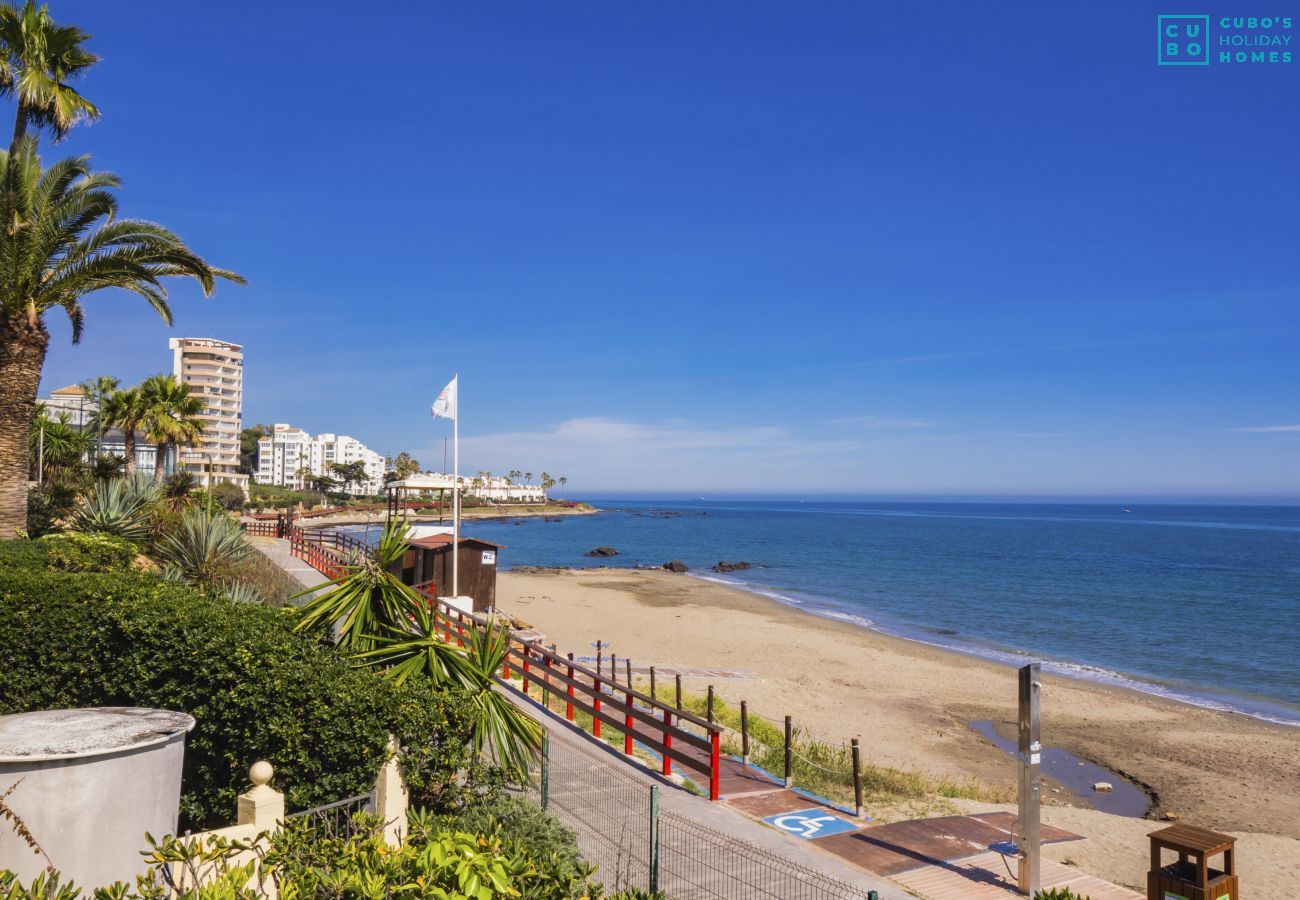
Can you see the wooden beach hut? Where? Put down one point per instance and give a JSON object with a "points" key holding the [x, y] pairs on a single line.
{"points": [[429, 560]]}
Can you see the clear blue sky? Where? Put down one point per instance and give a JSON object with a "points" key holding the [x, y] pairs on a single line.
{"points": [[726, 247]]}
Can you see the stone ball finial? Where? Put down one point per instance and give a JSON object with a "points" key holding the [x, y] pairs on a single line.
{"points": [[260, 773]]}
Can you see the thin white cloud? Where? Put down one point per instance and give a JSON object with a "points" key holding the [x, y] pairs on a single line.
{"points": [[1266, 429], [880, 422]]}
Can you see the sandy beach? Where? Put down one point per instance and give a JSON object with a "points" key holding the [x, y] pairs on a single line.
{"points": [[912, 705]]}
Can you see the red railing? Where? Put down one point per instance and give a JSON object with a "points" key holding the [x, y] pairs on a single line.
{"points": [[639, 717]]}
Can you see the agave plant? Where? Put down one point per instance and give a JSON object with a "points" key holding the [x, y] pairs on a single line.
{"points": [[203, 546], [120, 506], [368, 600]]}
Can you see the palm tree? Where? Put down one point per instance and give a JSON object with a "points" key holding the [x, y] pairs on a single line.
{"points": [[126, 410], [96, 389], [562, 481], [171, 418], [37, 59], [60, 242]]}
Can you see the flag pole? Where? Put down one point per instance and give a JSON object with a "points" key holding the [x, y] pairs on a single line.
{"points": [[455, 522]]}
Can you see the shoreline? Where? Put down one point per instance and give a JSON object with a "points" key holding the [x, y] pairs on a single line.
{"points": [[520, 511], [1265, 709], [914, 702]]}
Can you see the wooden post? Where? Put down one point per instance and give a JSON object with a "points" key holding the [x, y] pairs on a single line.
{"points": [[710, 705], [1030, 757], [526, 670], [652, 683], [595, 702], [789, 749], [599, 644], [613, 667], [546, 675], [628, 665], [568, 712], [679, 690], [668, 741], [744, 732], [857, 779]]}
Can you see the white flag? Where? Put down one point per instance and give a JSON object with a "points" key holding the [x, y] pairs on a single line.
{"points": [[445, 406]]}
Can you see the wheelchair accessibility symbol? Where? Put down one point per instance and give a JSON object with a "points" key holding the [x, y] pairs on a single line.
{"points": [[810, 823]]}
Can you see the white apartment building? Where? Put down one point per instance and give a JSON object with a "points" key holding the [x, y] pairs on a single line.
{"points": [[214, 371], [289, 457], [72, 402]]}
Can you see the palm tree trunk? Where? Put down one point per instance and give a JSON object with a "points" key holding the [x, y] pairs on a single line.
{"points": [[128, 448], [22, 355], [159, 461], [20, 130]]}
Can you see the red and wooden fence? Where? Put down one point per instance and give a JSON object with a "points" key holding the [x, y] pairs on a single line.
{"points": [[639, 717], [676, 735]]}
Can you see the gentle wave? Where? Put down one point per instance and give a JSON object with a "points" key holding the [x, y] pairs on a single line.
{"points": [[1016, 658]]}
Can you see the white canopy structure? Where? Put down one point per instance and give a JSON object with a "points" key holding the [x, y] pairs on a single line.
{"points": [[422, 482]]}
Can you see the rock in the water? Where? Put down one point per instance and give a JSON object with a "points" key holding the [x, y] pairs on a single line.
{"points": [[732, 566], [1103, 787], [602, 551], [676, 566]]}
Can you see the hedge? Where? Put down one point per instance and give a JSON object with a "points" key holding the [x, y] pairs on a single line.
{"points": [[256, 689], [75, 551]]}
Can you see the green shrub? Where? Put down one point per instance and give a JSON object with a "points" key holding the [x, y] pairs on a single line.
{"points": [[256, 689], [228, 496], [73, 551], [202, 545], [19, 555], [1058, 894], [521, 828]]}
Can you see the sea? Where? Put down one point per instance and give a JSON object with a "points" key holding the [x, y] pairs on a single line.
{"points": [[1196, 603]]}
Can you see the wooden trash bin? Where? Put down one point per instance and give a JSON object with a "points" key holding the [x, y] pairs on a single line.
{"points": [[1190, 877]]}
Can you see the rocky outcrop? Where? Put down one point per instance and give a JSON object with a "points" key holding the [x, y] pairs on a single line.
{"points": [[732, 566], [676, 566], [602, 551]]}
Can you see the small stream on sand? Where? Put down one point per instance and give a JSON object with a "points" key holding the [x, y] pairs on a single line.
{"points": [[1078, 776]]}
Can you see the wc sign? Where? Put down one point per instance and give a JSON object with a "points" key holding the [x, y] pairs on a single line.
{"points": [[1182, 40]]}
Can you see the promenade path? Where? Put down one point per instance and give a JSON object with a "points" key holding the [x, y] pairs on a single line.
{"points": [[601, 793]]}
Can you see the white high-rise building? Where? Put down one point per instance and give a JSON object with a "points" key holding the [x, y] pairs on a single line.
{"points": [[289, 457], [214, 371]]}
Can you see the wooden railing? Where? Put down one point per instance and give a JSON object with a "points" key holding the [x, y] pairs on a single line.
{"points": [[639, 717]]}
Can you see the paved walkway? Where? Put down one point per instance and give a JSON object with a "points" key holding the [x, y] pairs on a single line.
{"points": [[277, 550], [716, 816]]}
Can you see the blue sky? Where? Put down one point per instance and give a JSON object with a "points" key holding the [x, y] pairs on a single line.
{"points": [[726, 247]]}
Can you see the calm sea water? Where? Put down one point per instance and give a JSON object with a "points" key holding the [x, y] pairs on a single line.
{"points": [[1200, 603]]}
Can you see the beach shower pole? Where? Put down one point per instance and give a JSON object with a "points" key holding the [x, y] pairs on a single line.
{"points": [[1030, 759], [857, 779], [789, 752]]}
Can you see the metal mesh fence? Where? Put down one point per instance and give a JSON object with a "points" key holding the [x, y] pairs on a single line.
{"points": [[620, 830]]}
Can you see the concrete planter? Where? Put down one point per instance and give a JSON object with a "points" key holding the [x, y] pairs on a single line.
{"points": [[90, 783]]}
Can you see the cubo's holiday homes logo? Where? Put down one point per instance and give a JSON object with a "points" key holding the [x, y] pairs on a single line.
{"points": [[1187, 40]]}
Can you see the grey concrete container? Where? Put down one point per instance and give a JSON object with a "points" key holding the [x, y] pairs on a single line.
{"points": [[88, 784]]}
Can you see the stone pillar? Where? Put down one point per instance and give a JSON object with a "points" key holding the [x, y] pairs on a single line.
{"points": [[263, 806], [391, 797]]}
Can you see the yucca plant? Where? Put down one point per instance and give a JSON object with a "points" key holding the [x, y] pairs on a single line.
{"points": [[120, 506], [368, 601], [203, 546]]}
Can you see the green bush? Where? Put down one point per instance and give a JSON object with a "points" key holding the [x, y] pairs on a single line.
{"points": [[21, 555], [1058, 894], [73, 551], [256, 689], [521, 828], [228, 496]]}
